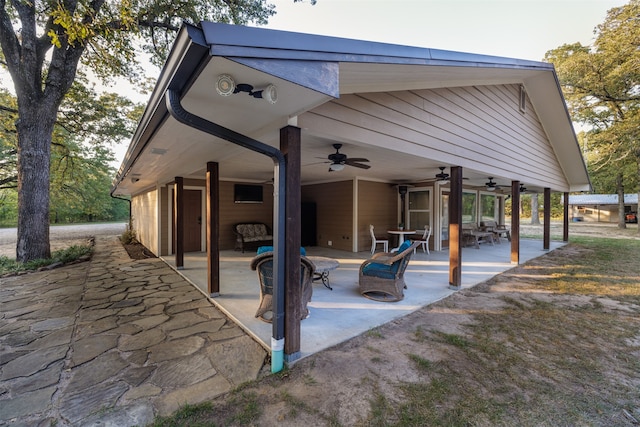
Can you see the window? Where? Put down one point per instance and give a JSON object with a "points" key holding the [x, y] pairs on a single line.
{"points": [[419, 209], [523, 100], [487, 207], [469, 208]]}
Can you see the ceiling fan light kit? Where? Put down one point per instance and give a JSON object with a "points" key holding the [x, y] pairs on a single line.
{"points": [[339, 161]]}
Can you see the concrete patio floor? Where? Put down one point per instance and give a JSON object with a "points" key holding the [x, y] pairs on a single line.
{"points": [[342, 313]]}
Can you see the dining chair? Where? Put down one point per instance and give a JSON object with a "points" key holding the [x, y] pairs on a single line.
{"points": [[375, 240], [424, 240]]}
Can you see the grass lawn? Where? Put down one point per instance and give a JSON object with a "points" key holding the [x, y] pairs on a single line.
{"points": [[555, 341]]}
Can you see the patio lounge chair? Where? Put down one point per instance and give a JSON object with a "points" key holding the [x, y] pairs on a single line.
{"points": [[382, 276], [424, 240], [263, 264]]}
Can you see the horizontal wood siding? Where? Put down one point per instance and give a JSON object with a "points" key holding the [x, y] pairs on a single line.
{"points": [[232, 213], [165, 217], [478, 127], [377, 205], [334, 212], [145, 219]]}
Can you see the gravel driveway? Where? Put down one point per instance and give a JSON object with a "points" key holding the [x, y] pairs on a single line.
{"points": [[62, 236]]}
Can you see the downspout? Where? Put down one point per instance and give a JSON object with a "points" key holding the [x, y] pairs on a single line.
{"points": [[180, 114], [130, 224]]}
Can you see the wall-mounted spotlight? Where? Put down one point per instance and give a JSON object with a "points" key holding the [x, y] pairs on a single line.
{"points": [[269, 93], [225, 86], [134, 180]]}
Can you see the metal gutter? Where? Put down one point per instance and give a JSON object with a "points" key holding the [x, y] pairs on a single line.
{"points": [[180, 114]]}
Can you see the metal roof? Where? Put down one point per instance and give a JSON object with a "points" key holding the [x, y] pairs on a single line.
{"points": [[601, 199], [312, 70]]}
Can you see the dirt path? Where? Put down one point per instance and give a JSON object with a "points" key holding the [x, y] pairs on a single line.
{"points": [[61, 236]]}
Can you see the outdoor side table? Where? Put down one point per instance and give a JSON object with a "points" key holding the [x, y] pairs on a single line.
{"points": [[324, 266]]}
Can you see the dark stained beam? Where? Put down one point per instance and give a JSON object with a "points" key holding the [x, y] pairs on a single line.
{"points": [[213, 228], [178, 217], [515, 222], [455, 228], [290, 146], [546, 239], [565, 222]]}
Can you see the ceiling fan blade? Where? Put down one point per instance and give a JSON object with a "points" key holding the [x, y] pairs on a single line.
{"points": [[357, 165], [357, 159]]}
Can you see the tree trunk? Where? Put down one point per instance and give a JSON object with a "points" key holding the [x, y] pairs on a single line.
{"points": [[35, 128], [535, 214], [638, 206], [620, 189]]}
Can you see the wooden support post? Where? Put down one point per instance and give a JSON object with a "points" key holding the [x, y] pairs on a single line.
{"points": [[213, 228], [455, 229], [291, 148], [565, 223], [515, 222], [178, 217], [546, 240]]}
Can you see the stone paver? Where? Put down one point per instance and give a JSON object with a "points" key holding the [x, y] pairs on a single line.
{"points": [[113, 342]]}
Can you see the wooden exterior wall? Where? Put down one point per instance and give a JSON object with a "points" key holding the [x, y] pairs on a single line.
{"points": [[377, 205], [334, 212], [232, 213], [144, 211], [165, 217], [480, 127]]}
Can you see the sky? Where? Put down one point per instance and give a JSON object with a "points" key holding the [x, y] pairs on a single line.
{"points": [[523, 29]]}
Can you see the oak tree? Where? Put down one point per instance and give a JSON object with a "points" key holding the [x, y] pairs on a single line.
{"points": [[601, 84], [45, 42]]}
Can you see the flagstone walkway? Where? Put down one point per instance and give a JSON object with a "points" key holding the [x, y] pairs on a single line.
{"points": [[113, 342]]}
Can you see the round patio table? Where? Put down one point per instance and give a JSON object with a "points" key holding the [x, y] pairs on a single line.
{"points": [[323, 265], [400, 234]]}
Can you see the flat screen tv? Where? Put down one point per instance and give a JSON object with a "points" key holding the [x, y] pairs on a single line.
{"points": [[244, 193]]}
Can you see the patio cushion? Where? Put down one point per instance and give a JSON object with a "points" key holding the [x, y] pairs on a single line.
{"points": [[386, 271], [263, 249], [253, 232]]}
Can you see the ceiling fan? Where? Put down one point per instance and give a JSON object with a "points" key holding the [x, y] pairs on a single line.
{"points": [[442, 177], [339, 160], [491, 186]]}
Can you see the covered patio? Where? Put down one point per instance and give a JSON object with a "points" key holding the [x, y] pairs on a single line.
{"points": [[364, 134], [342, 313]]}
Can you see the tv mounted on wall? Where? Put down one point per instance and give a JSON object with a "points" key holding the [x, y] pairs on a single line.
{"points": [[244, 193]]}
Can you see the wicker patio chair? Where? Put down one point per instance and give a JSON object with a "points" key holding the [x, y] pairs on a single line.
{"points": [[263, 264], [382, 276]]}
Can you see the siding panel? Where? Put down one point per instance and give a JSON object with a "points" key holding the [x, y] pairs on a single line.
{"points": [[334, 204], [475, 127], [144, 214]]}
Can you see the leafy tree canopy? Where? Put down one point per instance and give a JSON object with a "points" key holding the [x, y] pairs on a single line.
{"points": [[601, 84], [45, 43]]}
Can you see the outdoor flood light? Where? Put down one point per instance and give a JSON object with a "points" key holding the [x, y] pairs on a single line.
{"points": [[270, 93], [225, 86]]}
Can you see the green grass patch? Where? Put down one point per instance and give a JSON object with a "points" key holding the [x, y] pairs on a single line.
{"points": [[70, 254]]}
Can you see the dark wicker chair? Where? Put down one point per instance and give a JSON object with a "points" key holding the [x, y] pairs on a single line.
{"points": [[382, 276], [263, 264]]}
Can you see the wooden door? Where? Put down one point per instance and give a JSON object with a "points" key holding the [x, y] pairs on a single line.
{"points": [[192, 220]]}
